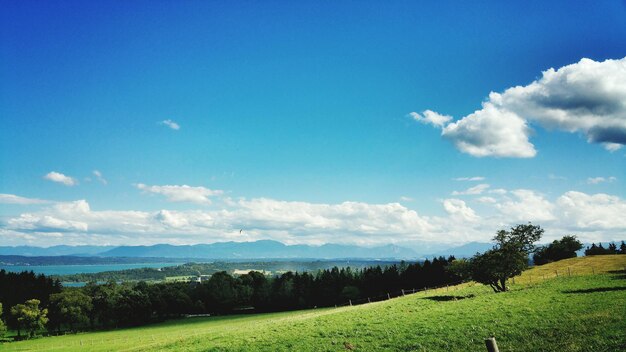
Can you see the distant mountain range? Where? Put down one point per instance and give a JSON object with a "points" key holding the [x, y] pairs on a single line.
{"points": [[236, 251], [78, 251], [264, 249]]}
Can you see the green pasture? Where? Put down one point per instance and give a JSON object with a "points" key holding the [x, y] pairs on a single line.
{"points": [[581, 309]]}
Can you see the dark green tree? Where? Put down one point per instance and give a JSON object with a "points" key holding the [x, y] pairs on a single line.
{"points": [[557, 250], [221, 292], [71, 308], [508, 258]]}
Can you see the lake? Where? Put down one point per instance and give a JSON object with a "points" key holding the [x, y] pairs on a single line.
{"points": [[79, 269]]}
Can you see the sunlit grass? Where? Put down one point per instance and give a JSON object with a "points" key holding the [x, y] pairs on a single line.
{"points": [[581, 312]]}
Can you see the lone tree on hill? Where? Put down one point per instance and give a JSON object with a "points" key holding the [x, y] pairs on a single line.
{"points": [[508, 258]]}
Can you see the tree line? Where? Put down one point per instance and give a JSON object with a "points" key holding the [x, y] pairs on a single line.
{"points": [[112, 305], [611, 249]]}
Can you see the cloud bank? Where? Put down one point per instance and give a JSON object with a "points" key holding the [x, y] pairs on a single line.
{"points": [[592, 217]]}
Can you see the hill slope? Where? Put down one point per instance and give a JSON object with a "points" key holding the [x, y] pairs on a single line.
{"points": [[577, 313]]}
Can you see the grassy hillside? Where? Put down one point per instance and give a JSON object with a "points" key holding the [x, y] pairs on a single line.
{"points": [[581, 312]]}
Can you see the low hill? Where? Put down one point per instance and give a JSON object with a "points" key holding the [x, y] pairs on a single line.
{"points": [[581, 312]]}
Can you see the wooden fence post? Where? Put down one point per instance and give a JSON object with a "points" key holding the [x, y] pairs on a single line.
{"points": [[388, 297], [491, 345], [557, 273], [403, 292], [350, 301], [368, 300]]}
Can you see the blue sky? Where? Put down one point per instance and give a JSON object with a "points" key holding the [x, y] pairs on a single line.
{"points": [[293, 114]]}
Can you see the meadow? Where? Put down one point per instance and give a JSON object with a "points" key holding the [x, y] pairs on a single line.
{"points": [[576, 304]]}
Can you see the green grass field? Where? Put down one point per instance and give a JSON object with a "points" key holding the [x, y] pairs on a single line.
{"points": [[580, 310]]}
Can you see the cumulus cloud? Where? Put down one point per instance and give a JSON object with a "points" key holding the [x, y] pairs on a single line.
{"points": [[60, 178], [478, 189], [184, 193], [596, 180], [99, 177], [474, 178], [528, 205], [457, 209], [171, 124], [491, 132], [13, 199], [586, 97], [406, 199], [594, 212], [346, 217]]}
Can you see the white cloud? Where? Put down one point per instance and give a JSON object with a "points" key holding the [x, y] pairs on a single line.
{"points": [[593, 212], [593, 217], [406, 199], [60, 178], [184, 193], [431, 117], [298, 222], [528, 206], [474, 178], [612, 147], [346, 217], [171, 124], [491, 132], [458, 210], [13, 199], [45, 223], [596, 180], [498, 191], [587, 97], [478, 189], [99, 177]]}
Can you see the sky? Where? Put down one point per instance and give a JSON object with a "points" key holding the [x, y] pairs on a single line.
{"points": [[413, 123]]}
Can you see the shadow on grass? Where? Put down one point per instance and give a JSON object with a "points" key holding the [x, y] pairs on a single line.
{"points": [[597, 289], [448, 298], [618, 274]]}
